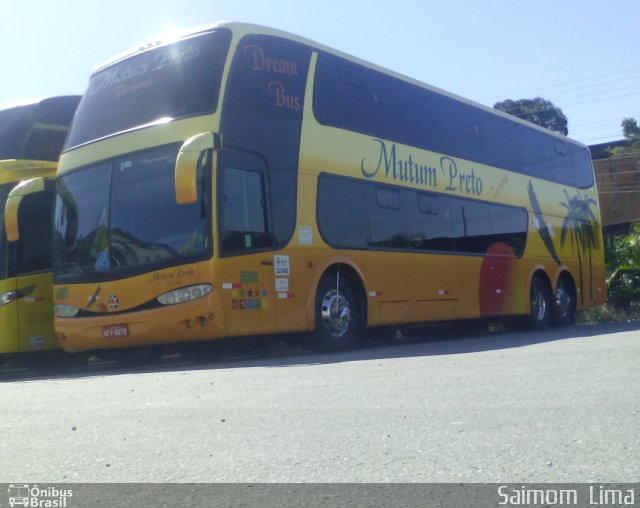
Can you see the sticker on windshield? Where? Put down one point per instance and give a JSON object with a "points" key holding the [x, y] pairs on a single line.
{"points": [[102, 260]]}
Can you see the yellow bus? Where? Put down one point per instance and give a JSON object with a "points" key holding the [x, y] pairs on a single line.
{"points": [[32, 135], [239, 181]]}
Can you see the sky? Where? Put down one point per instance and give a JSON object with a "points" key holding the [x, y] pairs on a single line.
{"points": [[582, 55]]}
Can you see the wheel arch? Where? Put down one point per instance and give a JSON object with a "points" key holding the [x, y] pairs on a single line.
{"points": [[541, 272], [352, 274], [563, 307], [565, 273]]}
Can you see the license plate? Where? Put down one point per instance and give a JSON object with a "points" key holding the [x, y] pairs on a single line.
{"points": [[110, 332]]}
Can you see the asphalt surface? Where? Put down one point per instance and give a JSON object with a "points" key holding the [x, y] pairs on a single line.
{"points": [[561, 405]]}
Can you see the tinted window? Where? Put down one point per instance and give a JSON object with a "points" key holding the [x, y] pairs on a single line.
{"points": [[244, 201], [430, 223], [354, 97], [538, 154], [262, 114], [476, 226], [172, 81], [4, 245], [582, 165], [36, 131], [388, 198], [33, 250], [122, 215], [245, 224], [146, 223], [428, 204], [351, 215], [509, 225], [81, 218], [351, 96], [342, 215], [387, 222]]}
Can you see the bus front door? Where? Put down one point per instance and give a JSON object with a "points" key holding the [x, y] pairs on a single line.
{"points": [[8, 316], [245, 243], [35, 312], [34, 280]]}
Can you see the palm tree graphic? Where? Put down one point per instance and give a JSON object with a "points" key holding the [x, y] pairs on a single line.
{"points": [[579, 226], [545, 232]]}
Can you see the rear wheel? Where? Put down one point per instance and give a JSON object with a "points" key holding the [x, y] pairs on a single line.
{"points": [[540, 295], [563, 311], [338, 316]]}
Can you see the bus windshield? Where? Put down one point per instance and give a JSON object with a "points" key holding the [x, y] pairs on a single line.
{"points": [[120, 217], [37, 130], [166, 82]]}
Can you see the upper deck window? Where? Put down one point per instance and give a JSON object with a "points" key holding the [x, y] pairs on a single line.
{"points": [[36, 131], [176, 80], [351, 96]]}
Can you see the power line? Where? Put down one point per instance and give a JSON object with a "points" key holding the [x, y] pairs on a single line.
{"points": [[596, 127], [609, 120], [634, 69], [595, 85], [599, 88]]}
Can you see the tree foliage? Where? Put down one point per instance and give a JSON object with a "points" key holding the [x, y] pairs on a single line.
{"points": [[539, 111], [623, 261], [631, 132]]}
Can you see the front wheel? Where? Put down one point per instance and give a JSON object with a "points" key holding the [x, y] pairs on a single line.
{"points": [[338, 317]]}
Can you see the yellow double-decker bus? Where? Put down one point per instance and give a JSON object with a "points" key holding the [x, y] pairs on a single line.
{"points": [[32, 135], [239, 181]]}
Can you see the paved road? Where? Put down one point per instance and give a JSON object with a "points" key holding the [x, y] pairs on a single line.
{"points": [[560, 406]]}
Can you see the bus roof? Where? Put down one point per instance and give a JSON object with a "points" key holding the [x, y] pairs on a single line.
{"points": [[19, 118], [250, 29], [45, 106]]}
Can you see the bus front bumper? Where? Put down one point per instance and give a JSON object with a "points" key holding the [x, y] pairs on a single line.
{"points": [[180, 323]]}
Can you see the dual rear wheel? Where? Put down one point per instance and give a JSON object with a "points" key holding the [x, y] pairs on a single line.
{"points": [[558, 309], [339, 314]]}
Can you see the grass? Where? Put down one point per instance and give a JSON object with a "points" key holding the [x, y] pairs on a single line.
{"points": [[609, 314]]}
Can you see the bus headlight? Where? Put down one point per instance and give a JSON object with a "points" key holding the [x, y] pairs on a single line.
{"points": [[66, 310], [185, 294]]}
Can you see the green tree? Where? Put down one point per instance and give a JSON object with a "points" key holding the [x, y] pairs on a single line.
{"points": [[623, 262], [539, 111], [631, 132]]}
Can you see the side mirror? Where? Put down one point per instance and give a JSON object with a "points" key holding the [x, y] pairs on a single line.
{"points": [[187, 165], [12, 205]]}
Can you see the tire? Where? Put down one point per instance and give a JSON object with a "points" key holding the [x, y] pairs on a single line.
{"points": [[540, 298], [337, 314], [563, 310]]}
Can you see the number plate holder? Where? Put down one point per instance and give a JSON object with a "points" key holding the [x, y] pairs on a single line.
{"points": [[115, 331]]}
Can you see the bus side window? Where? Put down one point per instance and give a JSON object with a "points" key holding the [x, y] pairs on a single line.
{"points": [[244, 212], [34, 246]]}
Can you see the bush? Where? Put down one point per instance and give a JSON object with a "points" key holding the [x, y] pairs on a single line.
{"points": [[623, 264]]}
